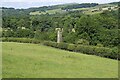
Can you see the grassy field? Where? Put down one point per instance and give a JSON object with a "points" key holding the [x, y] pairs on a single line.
{"points": [[48, 11], [22, 60]]}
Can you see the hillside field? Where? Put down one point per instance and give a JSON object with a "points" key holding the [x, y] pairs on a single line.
{"points": [[22, 60]]}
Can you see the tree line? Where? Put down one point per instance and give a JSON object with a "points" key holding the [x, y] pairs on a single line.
{"points": [[98, 29]]}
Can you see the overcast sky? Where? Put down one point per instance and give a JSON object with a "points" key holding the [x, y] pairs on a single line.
{"points": [[38, 3]]}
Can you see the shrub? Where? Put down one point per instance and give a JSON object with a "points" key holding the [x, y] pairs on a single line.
{"points": [[46, 43], [36, 41], [115, 53], [62, 46], [82, 41], [89, 49], [4, 39], [85, 49], [99, 51], [112, 53], [53, 44], [50, 43], [99, 45], [71, 47]]}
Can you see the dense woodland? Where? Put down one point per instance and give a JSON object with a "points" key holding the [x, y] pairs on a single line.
{"points": [[78, 28], [84, 5]]}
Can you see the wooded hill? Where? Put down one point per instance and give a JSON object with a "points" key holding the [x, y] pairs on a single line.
{"points": [[78, 27]]}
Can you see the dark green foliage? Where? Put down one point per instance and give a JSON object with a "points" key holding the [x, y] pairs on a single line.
{"points": [[109, 37], [52, 35], [24, 33], [70, 37], [115, 53], [92, 29], [8, 33], [84, 36], [85, 49], [75, 6], [41, 35], [99, 51]]}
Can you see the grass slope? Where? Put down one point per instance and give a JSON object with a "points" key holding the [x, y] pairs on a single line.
{"points": [[54, 11], [36, 61]]}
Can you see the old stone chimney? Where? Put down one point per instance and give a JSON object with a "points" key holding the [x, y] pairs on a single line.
{"points": [[59, 35]]}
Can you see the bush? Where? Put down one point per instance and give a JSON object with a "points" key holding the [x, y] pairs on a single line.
{"points": [[85, 49], [115, 53], [99, 51], [46, 43], [71, 47], [62, 46], [82, 41], [4, 39], [79, 48], [53, 44], [36, 41], [99, 45], [50, 43]]}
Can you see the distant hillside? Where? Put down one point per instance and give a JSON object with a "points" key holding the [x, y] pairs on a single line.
{"points": [[83, 5], [115, 3], [63, 8], [12, 11]]}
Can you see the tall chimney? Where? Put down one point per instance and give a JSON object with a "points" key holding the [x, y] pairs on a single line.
{"points": [[59, 36]]}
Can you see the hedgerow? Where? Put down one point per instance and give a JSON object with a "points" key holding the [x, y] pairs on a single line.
{"points": [[62, 45], [87, 49], [21, 40]]}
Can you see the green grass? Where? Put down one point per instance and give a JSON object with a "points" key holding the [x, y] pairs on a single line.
{"points": [[24, 60], [54, 11], [37, 13], [0, 61]]}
